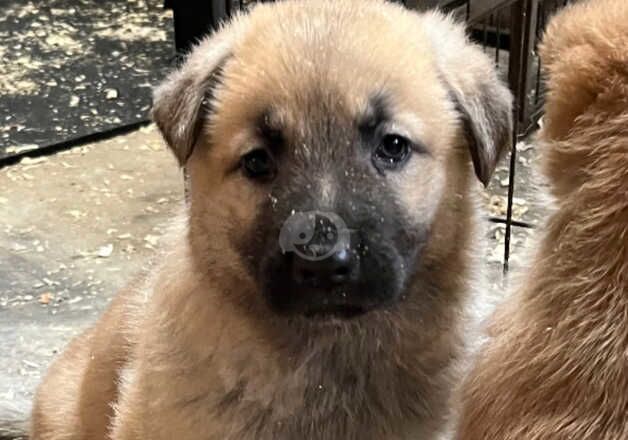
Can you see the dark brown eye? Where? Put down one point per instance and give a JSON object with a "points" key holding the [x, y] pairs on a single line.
{"points": [[392, 151], [258, 164]]}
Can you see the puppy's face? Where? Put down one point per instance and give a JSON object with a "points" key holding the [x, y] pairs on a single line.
{"points": [[332, 230], [323, 141]]}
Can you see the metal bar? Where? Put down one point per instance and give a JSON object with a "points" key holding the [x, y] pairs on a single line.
{"points": [[498, 37], [529, 46], [480, 9], [516, 223], [56, 147], [514, 76], [525, 32], [539, 29], [511, 193]]}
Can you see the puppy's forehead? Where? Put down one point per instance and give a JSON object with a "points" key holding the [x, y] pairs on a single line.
{"points": [[307, 57]]}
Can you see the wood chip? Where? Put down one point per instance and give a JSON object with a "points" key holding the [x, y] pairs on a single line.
{"points": [[46, 297], [105, 251]]}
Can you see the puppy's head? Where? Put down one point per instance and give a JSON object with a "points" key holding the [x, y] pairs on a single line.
{"points": [[585, 63], [329, 147]]}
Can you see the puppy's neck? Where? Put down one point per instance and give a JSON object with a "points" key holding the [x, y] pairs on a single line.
{"points": [[351, 381], [372, 376]]}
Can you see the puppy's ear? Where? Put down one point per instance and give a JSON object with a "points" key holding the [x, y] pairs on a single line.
{"points": [[584, 57], [486, 114], [482, 99], [183, 99]]}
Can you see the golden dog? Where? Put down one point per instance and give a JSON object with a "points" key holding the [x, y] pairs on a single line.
{"points": [[557, 367], [319, 286]]}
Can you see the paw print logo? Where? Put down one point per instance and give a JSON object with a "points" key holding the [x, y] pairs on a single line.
{"points": [[314, 235]]}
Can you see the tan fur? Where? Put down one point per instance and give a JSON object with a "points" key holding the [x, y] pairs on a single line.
{"points": [[557, 367], [194, 352]]}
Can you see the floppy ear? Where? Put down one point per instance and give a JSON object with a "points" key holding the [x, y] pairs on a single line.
{"points": [[184, 98], [486, 114], [482, 99], [583, 55]]}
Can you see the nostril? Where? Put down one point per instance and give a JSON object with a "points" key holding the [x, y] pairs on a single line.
{"points": [[342, 271], [307, 275], [341, 274], [337, 269]]}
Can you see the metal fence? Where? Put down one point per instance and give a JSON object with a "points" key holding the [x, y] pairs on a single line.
{"points": [[513, 29], [510, 30]]}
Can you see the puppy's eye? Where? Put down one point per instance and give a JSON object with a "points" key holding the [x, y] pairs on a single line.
{"points": [[258, 164], [392, 151]]}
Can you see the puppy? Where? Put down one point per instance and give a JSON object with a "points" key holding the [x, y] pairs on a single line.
{"points": [[319, 285], [557, 367]]}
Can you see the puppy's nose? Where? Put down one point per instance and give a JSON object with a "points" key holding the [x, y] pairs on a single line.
{"points": [[339, 268]]}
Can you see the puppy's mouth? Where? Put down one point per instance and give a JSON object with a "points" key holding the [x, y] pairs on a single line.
{"points": [[341, 311]]}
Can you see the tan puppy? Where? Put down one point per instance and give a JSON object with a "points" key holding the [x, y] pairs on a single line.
{"points": [[558, 365], [303, 125]]}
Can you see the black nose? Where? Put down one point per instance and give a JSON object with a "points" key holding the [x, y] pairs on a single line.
{"points": [[339, 268]]}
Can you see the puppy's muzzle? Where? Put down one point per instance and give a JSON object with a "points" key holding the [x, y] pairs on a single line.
{"points": [[332, 264], [334, 271], [327, 286], [321, 264]]}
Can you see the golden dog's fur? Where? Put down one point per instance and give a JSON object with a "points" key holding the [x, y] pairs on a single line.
{"points": [[192, 351], [557, 367]]}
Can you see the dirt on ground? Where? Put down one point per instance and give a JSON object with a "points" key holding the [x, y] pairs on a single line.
{"points": [[70, 68]]}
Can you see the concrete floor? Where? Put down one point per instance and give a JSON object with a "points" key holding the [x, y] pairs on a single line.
{"points": [[73, 228], [76, 225]]}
